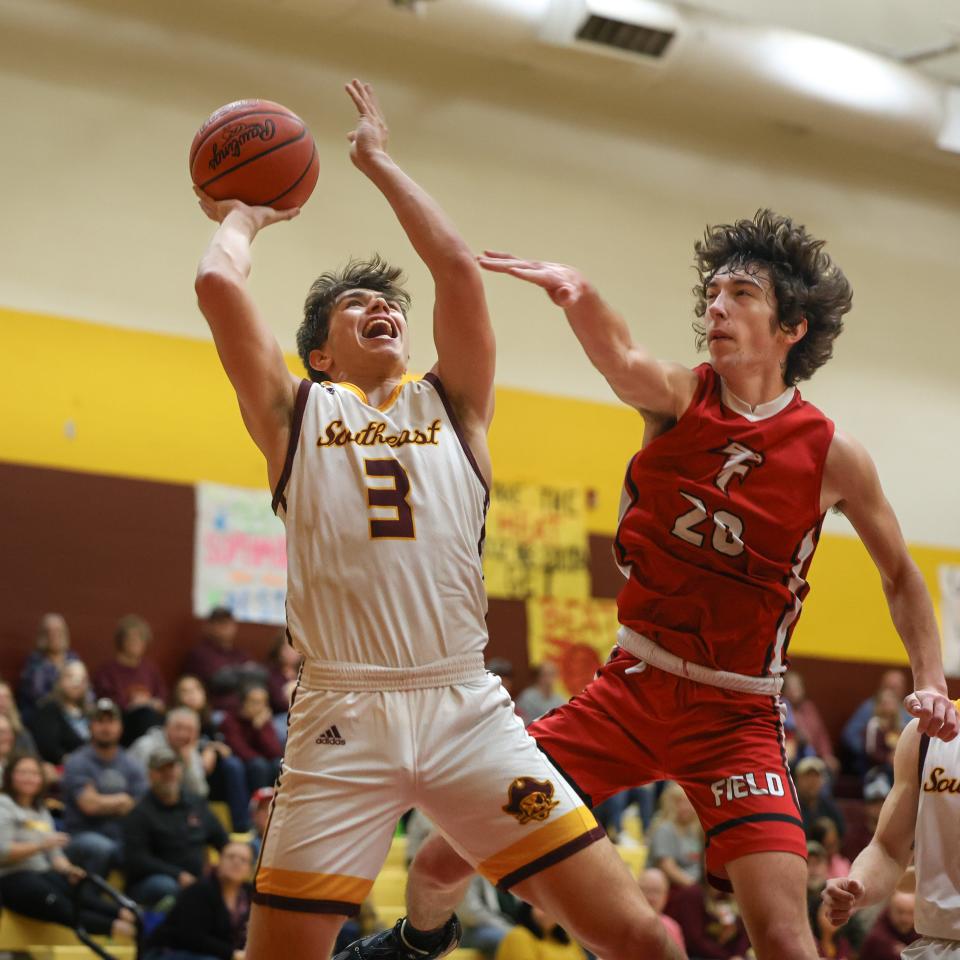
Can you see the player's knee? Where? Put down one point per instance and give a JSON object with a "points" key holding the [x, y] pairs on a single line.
{"points": [[645, 936], [783, 940], [438, 865]]}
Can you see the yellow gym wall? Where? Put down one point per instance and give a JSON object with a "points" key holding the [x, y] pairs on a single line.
{"points": [[158, 407]]}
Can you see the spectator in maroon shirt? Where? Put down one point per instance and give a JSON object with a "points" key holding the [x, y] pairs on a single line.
{"points": [[710, 921], [893, 932], [250, 735], [131, 681], [217, 662], [284, 665]]}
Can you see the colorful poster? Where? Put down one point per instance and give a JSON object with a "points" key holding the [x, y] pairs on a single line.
{"points": [[536, 544], [575, 634], [949, 576], [240, 555]]}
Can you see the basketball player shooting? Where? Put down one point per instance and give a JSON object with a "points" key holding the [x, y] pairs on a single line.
{"points": [[382, 484], [721, 514]]}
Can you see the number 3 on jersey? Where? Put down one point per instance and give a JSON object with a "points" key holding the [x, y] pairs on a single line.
{"points": [[400, 527]]}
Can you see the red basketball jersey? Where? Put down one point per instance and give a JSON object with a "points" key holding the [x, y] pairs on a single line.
{"points": [[719, 520]]}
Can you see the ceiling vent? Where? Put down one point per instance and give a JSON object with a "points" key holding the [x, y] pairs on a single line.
{"points": [[629, 37]]}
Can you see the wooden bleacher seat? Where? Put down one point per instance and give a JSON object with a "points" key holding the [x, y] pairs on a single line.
{"points": [[50, 941]]}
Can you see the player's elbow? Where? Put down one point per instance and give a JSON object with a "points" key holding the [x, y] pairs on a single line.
{"points": [[215, 285]]}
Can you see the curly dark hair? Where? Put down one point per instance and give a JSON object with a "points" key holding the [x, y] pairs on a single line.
{"points": [[373, 274], [807, 283]]}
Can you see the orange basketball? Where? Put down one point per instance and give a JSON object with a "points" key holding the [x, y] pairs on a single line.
{"points": [[255, 151]]}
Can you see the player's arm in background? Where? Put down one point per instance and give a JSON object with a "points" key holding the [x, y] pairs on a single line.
{"points": [[656, 389], [880, 865], [249, 352], [852, 485], [462, 332]]}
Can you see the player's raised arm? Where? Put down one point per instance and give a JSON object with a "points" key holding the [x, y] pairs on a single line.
{"points": [[639, 380], [461, 325], [879, 866], [851, 484], [248, 350]]}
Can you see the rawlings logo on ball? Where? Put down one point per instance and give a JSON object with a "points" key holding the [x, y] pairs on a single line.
{"points": [[236, 136], [529, 799]]}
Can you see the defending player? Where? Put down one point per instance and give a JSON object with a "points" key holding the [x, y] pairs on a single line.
{"points": [[921, 816], [721, 514], [382, 485]]}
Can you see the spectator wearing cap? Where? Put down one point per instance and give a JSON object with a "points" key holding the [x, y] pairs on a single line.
{"points": [[201, 760], [259, 815], [810, 776], [101, 784], [217, 662], [167, 833], [132, 681]]}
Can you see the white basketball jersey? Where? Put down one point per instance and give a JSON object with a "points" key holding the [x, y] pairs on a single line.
{"points": [[937, 851], [384, 509]]}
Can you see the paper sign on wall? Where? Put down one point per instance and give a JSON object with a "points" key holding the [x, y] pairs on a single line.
{"points": [[240, 555], [536, 542]]}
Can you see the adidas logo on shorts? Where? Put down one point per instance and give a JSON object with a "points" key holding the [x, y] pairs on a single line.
{"points": [[332, 736]]}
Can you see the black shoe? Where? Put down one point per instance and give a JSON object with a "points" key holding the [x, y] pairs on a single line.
{"points": [[391, 945]]}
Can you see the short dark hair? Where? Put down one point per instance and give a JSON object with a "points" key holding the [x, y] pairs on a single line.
{"points": [[807, 283], [373, 274]]}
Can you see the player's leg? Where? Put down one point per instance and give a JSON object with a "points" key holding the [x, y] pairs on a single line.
{"points": [[736, 776], [771, 889], [331, 821], [436, 882], [598, 902], [302, 935]]}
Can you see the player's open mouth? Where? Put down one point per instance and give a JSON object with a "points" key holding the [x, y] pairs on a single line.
{"points": [[379, 328], [714, 337]]}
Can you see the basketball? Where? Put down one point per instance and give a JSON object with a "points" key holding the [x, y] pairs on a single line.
{"points": [[255, 151]]}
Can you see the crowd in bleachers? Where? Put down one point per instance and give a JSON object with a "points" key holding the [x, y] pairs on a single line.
{"points": [[107, 772]]}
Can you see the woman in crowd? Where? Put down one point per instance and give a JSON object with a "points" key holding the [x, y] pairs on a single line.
{"points": [[209, 919], [283, 664], [23, 739], [131, 681], [676, 840], [188, 691], [39, 675], [60, 723], [250, 734], [35, 877]]}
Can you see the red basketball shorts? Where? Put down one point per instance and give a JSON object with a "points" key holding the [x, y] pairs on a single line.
{"points": [[723, 747]]}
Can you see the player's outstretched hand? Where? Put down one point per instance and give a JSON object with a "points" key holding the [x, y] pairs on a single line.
{"points": [[369, 138], [259, 217], [936, 712], [841, 895], [564, 285]]}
